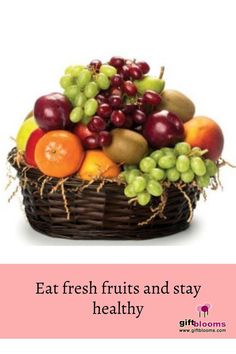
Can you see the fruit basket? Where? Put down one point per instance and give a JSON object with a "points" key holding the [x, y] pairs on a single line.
{"points": [[115, 156]]}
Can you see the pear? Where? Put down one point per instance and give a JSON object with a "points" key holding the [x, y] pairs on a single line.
{"points": [[127, 146], [176, 102], [153, 83], [26, 128]]}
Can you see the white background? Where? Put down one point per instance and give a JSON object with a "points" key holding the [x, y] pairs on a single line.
{"points": [[195, 41]]}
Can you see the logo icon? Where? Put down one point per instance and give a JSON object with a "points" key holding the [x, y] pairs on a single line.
{"points": [[203, 310]]}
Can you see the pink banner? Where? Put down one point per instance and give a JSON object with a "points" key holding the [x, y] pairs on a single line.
{"points": [[117, 301]]}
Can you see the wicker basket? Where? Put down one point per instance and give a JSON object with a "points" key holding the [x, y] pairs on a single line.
{"points": [[69, 210]]}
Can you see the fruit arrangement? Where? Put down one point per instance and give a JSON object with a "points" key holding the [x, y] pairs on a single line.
{"points": [[116, 123]]}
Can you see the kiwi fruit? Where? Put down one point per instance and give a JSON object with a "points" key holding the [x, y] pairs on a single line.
{"points": [[176, 102], [127, 146]]}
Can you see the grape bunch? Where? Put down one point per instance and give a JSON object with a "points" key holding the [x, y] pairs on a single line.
{"points": [[181, 163], [104, 96]]}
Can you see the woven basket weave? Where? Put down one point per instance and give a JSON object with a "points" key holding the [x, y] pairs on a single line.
{"points": [[66, 212]]}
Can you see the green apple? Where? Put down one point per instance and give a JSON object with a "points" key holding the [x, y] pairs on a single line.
{"points": [[149, 83], [27, 127]]}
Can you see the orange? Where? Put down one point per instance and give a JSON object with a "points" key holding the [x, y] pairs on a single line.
{"points": [[97, 164], [59, 153]]}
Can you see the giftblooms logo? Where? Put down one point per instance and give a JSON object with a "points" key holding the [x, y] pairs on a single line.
{"points": [[203, 310], [192, 325]]}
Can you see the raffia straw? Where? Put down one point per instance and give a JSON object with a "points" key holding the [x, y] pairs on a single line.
{"points": [[188, 200], [221, 162], [87, 185], [42, 186], [156, 211], [65, 201], [101, 185], [214, 183], [14, 193], [133, 200], [59, 183]]}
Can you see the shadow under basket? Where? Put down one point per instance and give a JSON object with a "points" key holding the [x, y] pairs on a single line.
{"points": [[67, 209]]}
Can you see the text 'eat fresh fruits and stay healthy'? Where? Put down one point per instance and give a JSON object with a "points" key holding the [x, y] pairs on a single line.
{"points": [[115, 121]]}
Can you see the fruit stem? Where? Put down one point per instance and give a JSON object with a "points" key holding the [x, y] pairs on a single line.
{"points": [[162, 70]]}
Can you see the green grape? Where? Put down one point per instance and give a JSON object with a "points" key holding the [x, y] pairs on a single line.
{"points": [[130, 167], [211, 167], [66, 81], [198, 166], [187, 177], [144, 198], [203, 181], [85, 120], [146, 164], [154, 188], [74, 70], [129, 191], [108, 70], [139, 184], [123, 176], [156, 155], [168, 151], [131, 175], [84, 78], [102, 81], [182, 163], [172, 174], [157, 174], [90, 107], [146, 176], [196, 151], [76, 114], [182, 148], [80, 99], [91, 89], [71, 92], [167, 161]]}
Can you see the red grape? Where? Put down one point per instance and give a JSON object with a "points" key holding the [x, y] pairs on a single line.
{"points": [[104, 138], [129, 62], [116, 80], [143, 66], [128, 122], [118, 118], [151, 97], [104, 110], [141, 104], [105, 93], [124, 72], [115, 91], [91, 142], [135, 72], [128, 108], [96, 124], [117, 62], [101, 98], [115, 101], [139, 117], [95, 64], [129, 88]]}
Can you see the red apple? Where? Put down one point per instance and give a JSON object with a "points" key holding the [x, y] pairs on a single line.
{"points": [[30, 146], [163, 129], [82, 131], [53, 111]]}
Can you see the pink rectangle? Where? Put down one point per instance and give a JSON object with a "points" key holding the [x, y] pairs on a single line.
{"points": [[180, 310]]}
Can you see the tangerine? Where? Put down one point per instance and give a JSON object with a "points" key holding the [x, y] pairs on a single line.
{"points": [[97, 164], [59, 153]]}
